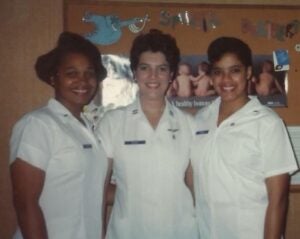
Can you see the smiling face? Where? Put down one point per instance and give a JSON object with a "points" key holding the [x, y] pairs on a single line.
{"points": [[153, 75], [229, 78], [75, 83]]}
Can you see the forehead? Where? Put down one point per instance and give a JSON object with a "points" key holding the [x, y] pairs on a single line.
{"points": [[227, 60], [75, 57], [152, 57]]}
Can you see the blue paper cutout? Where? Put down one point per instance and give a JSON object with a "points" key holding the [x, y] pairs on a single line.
{"points": [[107, 28]]}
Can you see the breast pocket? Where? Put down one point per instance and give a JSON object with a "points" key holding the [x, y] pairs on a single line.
{"points": [[240, 147], [130, 154], [69, 157]]}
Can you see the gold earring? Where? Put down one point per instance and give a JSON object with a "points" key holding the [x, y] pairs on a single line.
{"points": [[52, 80]]}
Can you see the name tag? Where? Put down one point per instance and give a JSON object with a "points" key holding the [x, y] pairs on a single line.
{"points": [[133, 142], [87, 146], [202, 132]]}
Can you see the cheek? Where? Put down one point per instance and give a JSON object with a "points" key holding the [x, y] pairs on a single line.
{"points": [[93, 82], [61, 83], [243, 81], [139, 77], [167, 78], [214, 81]]}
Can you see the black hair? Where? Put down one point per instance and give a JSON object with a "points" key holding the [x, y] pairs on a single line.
{"points": [[155, 41], [223, 45], [46, 66]]}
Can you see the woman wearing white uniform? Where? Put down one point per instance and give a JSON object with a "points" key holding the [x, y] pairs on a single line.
{"points": [[241, 156], [58, 167], [148, 142]]}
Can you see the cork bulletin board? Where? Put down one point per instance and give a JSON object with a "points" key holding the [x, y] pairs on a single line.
{"points": [[272, 32]]}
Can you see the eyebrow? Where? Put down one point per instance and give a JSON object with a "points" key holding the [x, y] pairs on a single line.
{"points": [[217, 67], [164, 64], [90, 67]]}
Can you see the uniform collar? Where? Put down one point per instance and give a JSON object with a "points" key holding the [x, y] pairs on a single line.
{"points": [[252, 108], [135, 109], [61, 111], [135, 118]]}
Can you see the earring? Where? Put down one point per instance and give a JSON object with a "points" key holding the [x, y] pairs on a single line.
{"points": [[52, 81]]}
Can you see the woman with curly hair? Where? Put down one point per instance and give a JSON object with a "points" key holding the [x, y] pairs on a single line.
{"points": [[148, 142], [58, 167]]}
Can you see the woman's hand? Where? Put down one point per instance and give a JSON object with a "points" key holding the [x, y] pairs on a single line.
{"points": [[27, 185]]}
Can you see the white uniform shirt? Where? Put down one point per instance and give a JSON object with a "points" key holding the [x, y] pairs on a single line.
{"points": [[152, 199], [230, 165], [53, 140]]}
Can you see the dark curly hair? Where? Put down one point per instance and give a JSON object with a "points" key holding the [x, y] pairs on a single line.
{"points": [[155, 41], [223, 45], [47, 65]]}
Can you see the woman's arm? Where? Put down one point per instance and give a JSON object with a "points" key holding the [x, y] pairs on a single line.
{"points": [[278, 191], [189, 179], [27, 185], [108, 198]]}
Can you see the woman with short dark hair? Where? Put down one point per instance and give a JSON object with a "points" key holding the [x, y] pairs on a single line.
{"points": [[148, 142]]}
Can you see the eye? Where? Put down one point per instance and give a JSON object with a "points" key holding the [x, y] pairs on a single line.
{"points": [[142, 67], [90, 74], [236, 70], [164, 69], [216, 72], [71, 73]]}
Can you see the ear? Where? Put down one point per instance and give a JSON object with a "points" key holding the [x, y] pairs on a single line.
{"points": [[249, 72], [171, 77], [134, 78]]}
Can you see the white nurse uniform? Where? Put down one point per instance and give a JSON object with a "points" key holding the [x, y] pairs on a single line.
{"points": [[149, 165], [230, 164], [75, 164]]}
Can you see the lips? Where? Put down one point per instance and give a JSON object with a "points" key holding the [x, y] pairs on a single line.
{"points": [[80, 91], [227, 88], [153, 85]]}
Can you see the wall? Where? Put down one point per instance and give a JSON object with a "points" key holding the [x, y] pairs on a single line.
{"points": [[29, 28]]}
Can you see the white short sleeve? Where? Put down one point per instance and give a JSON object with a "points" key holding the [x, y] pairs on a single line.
{"points": [[277, 151], [31, 142], [105, 133]]}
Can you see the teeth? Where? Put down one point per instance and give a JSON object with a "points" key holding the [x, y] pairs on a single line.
{"points": [[80, 91], [152, 85], [228, 88]]}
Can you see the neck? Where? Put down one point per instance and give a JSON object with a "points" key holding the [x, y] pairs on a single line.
{"points": [[75, 111], [226, 109], [152, 105], [153, 110]]}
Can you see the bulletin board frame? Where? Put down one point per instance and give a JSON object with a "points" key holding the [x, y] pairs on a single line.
{"points": [[265, 28]]}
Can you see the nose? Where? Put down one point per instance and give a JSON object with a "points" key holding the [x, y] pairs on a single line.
{"points": [[153, 73], [83, 78], [226, 75]]}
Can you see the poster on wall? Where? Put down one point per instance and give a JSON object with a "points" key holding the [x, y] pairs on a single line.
{"points": [[191, 88], [194, 26]]}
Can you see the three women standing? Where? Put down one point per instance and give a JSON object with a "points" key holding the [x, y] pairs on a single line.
{"points": [[241, 155]]}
